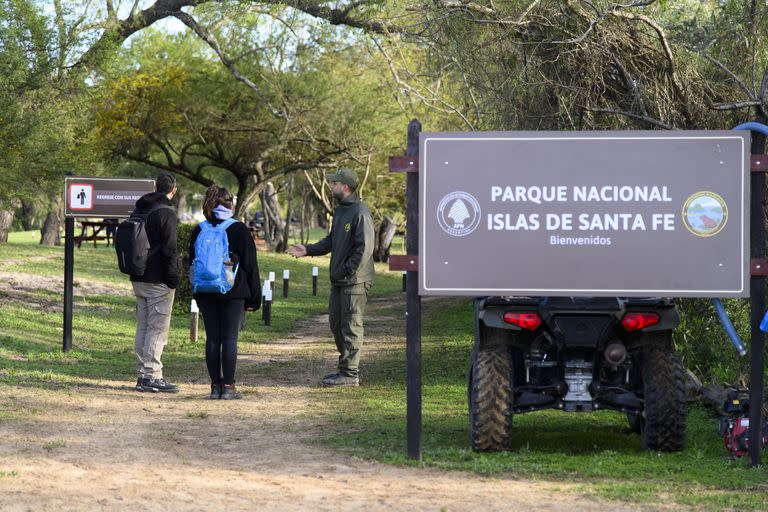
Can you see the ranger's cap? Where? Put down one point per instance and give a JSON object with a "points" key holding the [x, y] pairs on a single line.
{"points": [[347, 176]]}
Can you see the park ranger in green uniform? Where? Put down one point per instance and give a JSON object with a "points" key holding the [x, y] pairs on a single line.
{"points": [[350, 243]]}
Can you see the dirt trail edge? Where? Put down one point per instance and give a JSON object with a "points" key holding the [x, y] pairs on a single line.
{"points": [[104, 446]]}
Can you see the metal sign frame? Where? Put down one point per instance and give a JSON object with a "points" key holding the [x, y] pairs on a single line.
{"points": [[69, 239], [409, 262]]}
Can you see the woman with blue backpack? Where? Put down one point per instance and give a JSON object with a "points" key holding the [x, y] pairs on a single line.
{"points": [[225, 281]]}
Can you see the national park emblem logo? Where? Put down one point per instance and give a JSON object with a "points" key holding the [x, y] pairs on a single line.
{"points": [[705, 214], [458, 213]]}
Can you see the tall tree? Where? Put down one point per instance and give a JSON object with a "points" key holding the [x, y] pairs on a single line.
{"points": [[52, 54], [312, 105]]}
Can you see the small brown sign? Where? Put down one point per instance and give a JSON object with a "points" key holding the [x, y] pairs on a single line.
{"points": [[103, 197]]}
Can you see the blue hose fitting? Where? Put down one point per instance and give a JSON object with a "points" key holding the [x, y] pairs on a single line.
{"points": [[730, 329]]}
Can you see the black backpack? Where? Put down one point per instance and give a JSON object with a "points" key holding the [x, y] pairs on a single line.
{"points": [[131, 242]]}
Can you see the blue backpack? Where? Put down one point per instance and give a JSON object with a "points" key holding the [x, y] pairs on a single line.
{"points": [[213, 270]]}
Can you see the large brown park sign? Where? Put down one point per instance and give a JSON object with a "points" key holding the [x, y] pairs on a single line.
{"points": [[585, 213]]}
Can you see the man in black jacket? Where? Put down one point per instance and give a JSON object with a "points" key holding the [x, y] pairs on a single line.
{"points": [[351, 246], [156, 288]]}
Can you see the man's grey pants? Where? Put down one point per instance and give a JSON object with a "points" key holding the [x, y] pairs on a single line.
{"points": [[154, 302]]}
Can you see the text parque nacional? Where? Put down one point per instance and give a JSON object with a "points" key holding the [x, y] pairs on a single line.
{"points": [[559, 193], [625, 221]]}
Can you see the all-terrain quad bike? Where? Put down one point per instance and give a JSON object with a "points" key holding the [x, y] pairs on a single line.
{"points": [[576, 354]]}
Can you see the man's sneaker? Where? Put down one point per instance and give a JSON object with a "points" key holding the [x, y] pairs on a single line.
{"points": [[230, 392], [215, 391], [158, 385], [339, 379]]}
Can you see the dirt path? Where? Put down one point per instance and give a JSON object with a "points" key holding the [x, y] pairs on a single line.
{"points": [[106, 447]]}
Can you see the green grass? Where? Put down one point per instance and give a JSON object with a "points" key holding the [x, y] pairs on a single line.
{"points": [[104, 325], [52, 445], [596, 449], [593, 449]]}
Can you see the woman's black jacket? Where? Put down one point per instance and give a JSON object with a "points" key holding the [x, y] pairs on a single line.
{"points": [[247, 282]]}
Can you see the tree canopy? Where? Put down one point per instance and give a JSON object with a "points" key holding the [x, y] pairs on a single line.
{"points": [[249, 91]]}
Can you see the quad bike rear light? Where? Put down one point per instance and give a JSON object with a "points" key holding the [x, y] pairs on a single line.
{"points": [[637, 321], [528, 321]]}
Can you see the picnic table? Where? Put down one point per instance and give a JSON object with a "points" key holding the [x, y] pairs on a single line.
{"points": [[108, 226]]}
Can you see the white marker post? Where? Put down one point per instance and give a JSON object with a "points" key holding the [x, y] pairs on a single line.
{"points": [[272, 281], [264, 290], [314, 280], [267, 306], [193, 321], [286, 280]]}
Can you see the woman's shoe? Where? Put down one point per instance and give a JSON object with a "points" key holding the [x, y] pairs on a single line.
{"points": [[215, 391], [229, 392]]}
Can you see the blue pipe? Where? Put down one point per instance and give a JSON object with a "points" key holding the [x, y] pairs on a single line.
{"points": [[753, 126], [721, 314], [729, 328]]}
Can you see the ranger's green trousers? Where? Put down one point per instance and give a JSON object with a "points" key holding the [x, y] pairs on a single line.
{"points": [[345, 313]]}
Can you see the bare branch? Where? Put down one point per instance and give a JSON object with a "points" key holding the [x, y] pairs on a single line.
{"points": [[116, 33], [210, 41], [736, 105], [679, 89], [433, 102], [342, 16], [762, 97], [750, 94], [647, 119]]}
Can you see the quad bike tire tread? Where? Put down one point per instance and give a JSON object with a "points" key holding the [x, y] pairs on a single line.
{"points": [[491, 398], [664, 421]]}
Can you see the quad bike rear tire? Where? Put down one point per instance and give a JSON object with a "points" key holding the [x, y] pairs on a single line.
{"points": [[664, 420], [491, 398]]}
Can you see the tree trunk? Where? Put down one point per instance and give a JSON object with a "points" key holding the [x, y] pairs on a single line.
{"points": [[50, 233], [273, 223], [28, 211], [266, 222], [181, 206], [6, 219], [282, 246], [302, 218], [384, 239], [248, 188]]}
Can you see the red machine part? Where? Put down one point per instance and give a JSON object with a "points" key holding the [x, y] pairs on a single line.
{"points": [[736, 437]]}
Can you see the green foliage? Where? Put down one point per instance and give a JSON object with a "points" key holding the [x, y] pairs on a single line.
{"points": [[703, 344], [140, 106], [25, 64], [104, 320], [321, 101], [183, 296]]}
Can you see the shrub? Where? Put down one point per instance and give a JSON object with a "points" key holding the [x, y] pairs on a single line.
{"points": [[184, 291], [703, 344]]}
